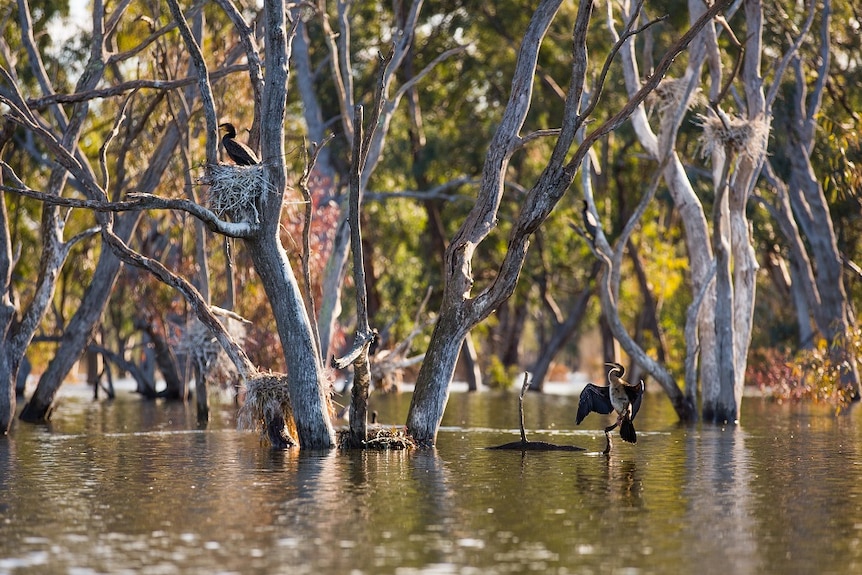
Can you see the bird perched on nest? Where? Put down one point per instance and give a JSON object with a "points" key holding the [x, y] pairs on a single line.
{"points": [[620, 396], [241, 154]]}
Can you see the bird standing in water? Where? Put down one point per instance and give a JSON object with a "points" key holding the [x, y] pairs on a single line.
{"points": [[620, 396], [241, 154]]}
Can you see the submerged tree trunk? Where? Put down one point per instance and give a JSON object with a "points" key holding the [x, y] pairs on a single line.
{"points": [[8, 396], [562, 333]]}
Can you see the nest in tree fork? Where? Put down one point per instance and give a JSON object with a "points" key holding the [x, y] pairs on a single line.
{"points": [[266, 397], [198, 344], [235, 191], [744, 137]]}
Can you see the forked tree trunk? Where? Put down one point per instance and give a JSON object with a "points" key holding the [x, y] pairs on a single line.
{"points": [[7, 314]]}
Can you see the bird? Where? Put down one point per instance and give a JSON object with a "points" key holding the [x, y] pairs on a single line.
{"points": [[241, 154], [590, 223], [620, 396]]}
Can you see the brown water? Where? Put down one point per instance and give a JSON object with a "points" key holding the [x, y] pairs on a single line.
{"points": [[133, 487]]}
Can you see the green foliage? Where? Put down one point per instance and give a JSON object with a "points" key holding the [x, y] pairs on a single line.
{"points": [[498, 375]]}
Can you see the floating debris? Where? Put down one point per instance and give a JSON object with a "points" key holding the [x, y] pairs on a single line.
{"points": [[381, 438]]}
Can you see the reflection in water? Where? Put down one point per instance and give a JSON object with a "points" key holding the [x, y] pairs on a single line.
{"points": [[718, 465], [134, 487]]}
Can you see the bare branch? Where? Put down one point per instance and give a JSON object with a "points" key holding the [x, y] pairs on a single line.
{"points": [[135, 202], [409, 84], [339, 56], [122, 88], [662, 67], [255, 68], [791, 52], [200, 65], [203, 312], [103, 151], [306, 238]]}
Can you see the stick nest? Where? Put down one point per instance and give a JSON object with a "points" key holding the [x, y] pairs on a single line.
{"points": [[380, 439], [235, 191], [197, 343], [670, 92], [266, 397], [743, 136]]}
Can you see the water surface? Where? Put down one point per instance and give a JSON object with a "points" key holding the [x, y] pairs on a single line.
{"points": [[132, 486]]}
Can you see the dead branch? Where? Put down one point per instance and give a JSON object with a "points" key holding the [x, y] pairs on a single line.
{"points": [[306, 238], [129, 86], [137, 202]]}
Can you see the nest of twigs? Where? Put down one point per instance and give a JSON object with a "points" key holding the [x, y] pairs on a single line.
{"points": [[670, 93], [198, 344], [744, 137], [266, 397], [380, 438], [235, 190]]}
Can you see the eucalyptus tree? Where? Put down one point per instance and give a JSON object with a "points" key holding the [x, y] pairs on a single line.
{"points": [[799, 204], [720, 322], [461, 310], [55, 248]]}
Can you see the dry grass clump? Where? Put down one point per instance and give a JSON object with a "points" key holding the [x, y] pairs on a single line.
{"points": [[744, 137], [234, 191], [381, 438], [266, 397]]}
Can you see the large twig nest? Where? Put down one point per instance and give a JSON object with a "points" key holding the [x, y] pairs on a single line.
{"points": [[670, 93], [744, 137], [235, 191], [198, 344]]}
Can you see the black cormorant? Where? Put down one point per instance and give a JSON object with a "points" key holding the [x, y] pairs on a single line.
{"points": [[619, 396], [241, 154]]}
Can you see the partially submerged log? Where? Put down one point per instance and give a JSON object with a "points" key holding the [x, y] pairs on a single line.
{"points": [[524, 444]]}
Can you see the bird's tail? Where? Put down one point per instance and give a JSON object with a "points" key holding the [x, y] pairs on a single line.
{"points": [[627, 430]]}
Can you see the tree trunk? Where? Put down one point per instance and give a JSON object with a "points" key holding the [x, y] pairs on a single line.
{"points": [[8, 396], [719, 403], [561, 335], [201, 396], [431, 392], [166, 361], [470, 361]]}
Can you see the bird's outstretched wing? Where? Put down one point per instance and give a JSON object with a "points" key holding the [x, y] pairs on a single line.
{"points": [[636, 395], [594, 398]]}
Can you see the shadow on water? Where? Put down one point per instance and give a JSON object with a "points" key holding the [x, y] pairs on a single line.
{"points": [[136, 487]]}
